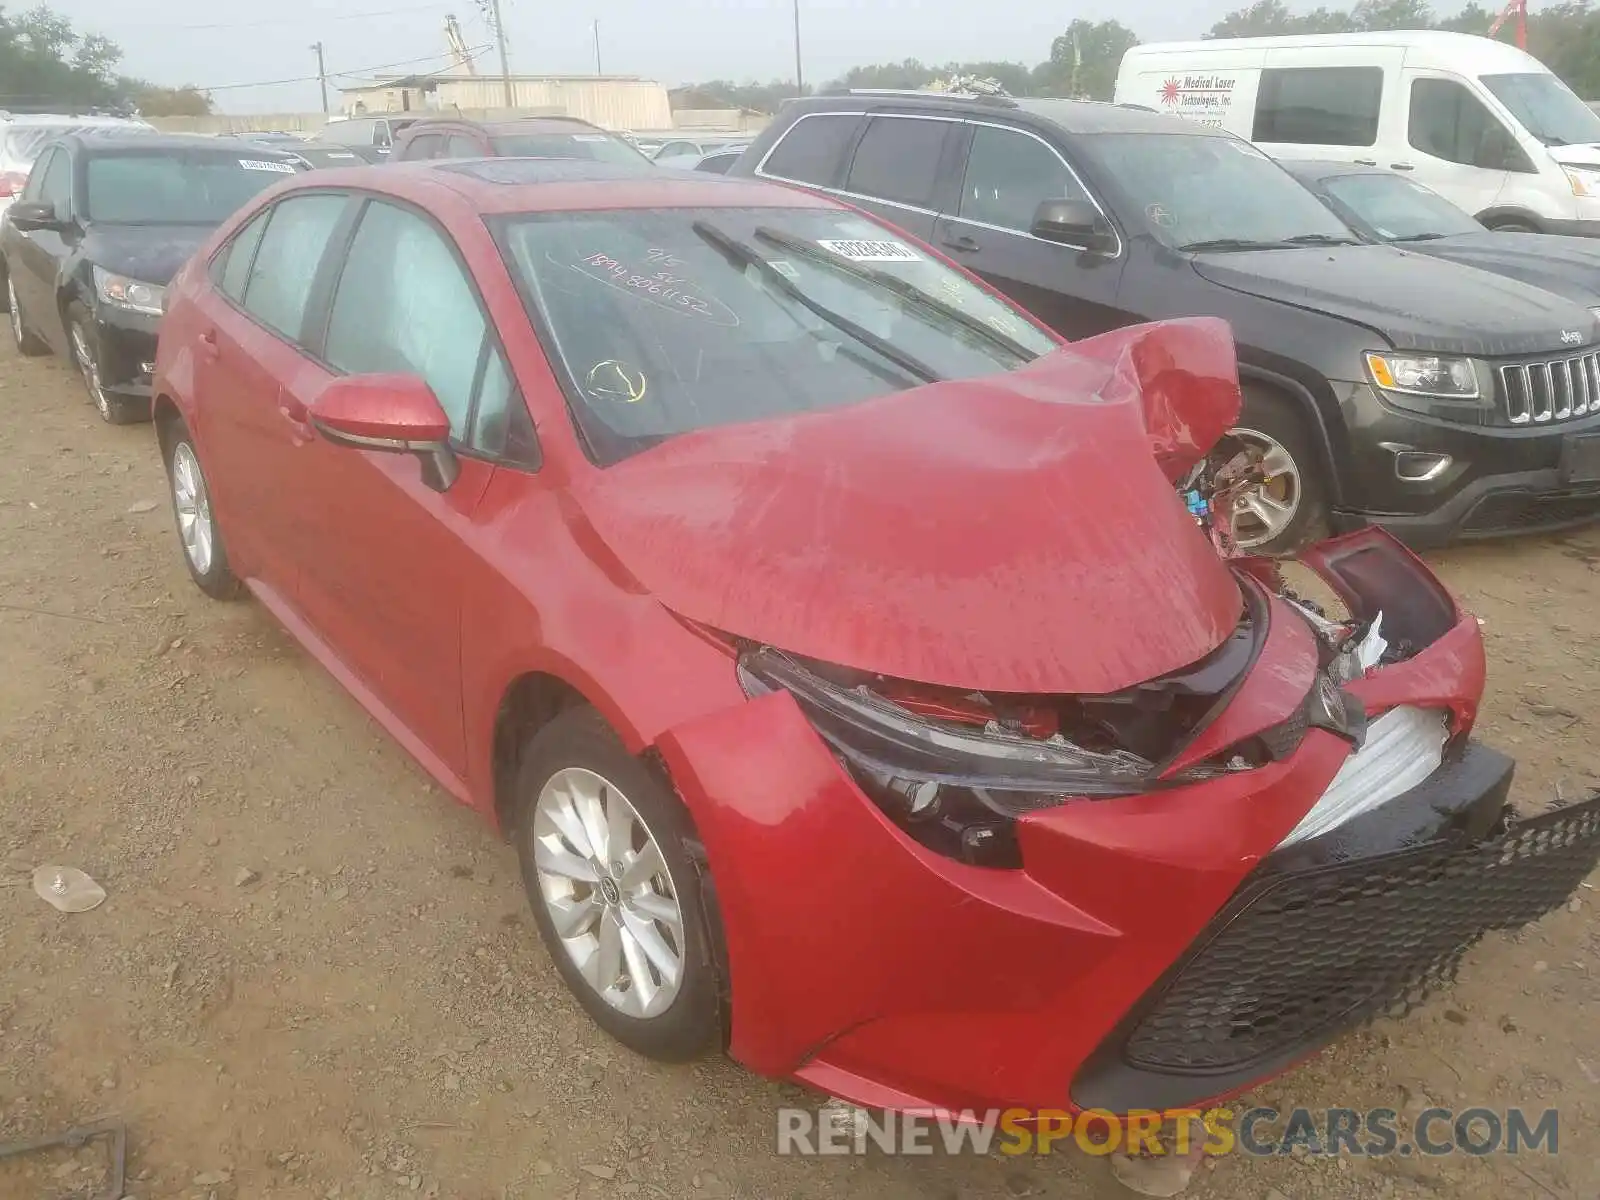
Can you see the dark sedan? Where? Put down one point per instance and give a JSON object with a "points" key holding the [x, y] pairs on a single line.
{"points": [[98, 232], [1385, 207]]}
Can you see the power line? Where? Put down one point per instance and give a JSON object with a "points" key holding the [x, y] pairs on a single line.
{"points": [[474, 53], [231, 25]]}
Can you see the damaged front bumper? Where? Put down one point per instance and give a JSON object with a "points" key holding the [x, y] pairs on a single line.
{"points": [[1160, 949]]}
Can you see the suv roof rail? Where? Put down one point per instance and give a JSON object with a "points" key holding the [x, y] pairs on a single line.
{"points": [[921, 94]]}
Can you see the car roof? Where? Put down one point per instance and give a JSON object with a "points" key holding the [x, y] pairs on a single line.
{"points": [[92, 139], [519, 185], [1072, 116], [1324, 168]]}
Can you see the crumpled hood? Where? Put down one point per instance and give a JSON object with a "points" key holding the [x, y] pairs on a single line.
{"points": [[1414, 301], [151, 253], [1567, 266], [1013, 533]]}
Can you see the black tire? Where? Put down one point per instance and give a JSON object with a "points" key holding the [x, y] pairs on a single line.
{"points": [[692, 1025], [216, 579], [1512, 226], [28, 343], [1273, 414], [84, 346]]}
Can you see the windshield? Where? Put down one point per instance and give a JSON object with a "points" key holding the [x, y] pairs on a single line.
{"points": [[1546, 108], [1197, 191], [325, 156], [177, 187], [1398, 209], [672, 320], [597, 147]]}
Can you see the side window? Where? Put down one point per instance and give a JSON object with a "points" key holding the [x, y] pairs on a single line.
{"points": [[1449, 122], [459, 145], [810, 151], [898, 159], [1318, 106], [424, 145], [279, 284], [381, 135], [237, 258], [1009, 174], [55, 187], [405, 304]]}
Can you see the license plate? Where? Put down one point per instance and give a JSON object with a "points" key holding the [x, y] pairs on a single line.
{"points": [[1580, 459]]}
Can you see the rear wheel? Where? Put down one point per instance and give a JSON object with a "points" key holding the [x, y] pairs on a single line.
{"points": [[1289, 509], [203, 551], [30, 344], [602, 841]]}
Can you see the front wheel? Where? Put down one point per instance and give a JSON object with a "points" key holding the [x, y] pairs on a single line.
{"points": [[203, 551], [618, 902], [1289, 508], [113, 409]]}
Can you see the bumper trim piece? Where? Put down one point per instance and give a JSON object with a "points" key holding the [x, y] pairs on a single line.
{"points": [[1301, 954]]}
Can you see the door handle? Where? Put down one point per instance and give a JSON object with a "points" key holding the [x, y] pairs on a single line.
{"points": [[1402, 167], [962, 243], [300, 428], [208, 344], [1366, 162]]}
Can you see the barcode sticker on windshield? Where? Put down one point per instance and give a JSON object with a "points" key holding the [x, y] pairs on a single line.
{"points": [[872, 251], [256, 164]]}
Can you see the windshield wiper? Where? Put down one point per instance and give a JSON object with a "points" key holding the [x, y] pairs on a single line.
{"points": [[1419, 237], [743, 256], [1321, 239], [900, 287], [1234, 244]]}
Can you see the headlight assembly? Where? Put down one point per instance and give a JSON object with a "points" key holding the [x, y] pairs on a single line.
{"points": [[134, 295], [1431, 375]]}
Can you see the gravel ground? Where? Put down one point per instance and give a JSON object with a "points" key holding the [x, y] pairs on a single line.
{"points": [[315, 976]]}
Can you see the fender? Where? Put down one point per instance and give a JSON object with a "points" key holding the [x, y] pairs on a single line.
{"points": [[1490, 216], [1322, 433]]}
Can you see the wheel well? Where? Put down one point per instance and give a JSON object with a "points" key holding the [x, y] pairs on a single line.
{"points": [[530, 703], [164, 412], [1302, 403]]}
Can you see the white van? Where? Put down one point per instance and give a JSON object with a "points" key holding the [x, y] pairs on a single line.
{"points": [[1482, 122]]}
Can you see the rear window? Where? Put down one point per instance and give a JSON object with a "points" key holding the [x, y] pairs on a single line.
{"points": [[667, 321], [319, 156], [179, 187], [1319, 106], [594, 147]]}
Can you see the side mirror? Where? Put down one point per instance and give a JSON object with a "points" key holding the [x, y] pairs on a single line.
{"points": [[1073, 222], [396, 414], [35, 215]]}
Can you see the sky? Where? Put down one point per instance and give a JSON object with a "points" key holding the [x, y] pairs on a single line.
{"points": [[216, 44]]}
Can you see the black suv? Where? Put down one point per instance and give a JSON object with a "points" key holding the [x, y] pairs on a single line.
{"points": [[1380, 385]]}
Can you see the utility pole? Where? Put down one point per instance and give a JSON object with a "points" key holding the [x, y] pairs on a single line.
{"points": [[505, 62], [799, 76], [597, 69], [322, 76]]}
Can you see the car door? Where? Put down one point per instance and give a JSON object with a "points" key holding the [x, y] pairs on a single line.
{"points": [[1455, 144], [1008, 173], [250, 342], [37, 253], [388, 557], [897, 168]]}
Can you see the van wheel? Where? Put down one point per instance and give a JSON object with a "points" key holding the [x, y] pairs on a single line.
{"points": [[1512, 226], [1290, 509], [603, 843]]}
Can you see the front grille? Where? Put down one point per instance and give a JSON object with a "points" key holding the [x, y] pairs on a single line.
{"points": [[1541, 392], [1295, 958]]}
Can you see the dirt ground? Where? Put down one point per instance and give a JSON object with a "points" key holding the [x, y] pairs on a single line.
{"points": [[315, 976]]}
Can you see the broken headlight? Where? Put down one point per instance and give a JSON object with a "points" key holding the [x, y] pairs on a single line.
{"points": [[957, 790]]}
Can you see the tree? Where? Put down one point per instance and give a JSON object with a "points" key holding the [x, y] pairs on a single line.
{"points": [[1381, 16], [44, 61], [153, 101], [1083, 60], [1267, 18]]}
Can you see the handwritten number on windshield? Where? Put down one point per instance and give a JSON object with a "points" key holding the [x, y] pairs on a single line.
{"points": [[659, 284]]}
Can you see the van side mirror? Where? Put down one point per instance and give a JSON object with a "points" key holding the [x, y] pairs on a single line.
{"points": [[394, 414], [1073, 223], [35, 215]]}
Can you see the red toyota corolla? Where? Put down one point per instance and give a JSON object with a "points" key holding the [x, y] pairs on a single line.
{"points": [[835, 644]]}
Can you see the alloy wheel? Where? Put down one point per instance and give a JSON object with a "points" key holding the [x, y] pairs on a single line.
{"points": [[16, 311], [193, 505], [608, 892], [90, 369], [1262, 513]]}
